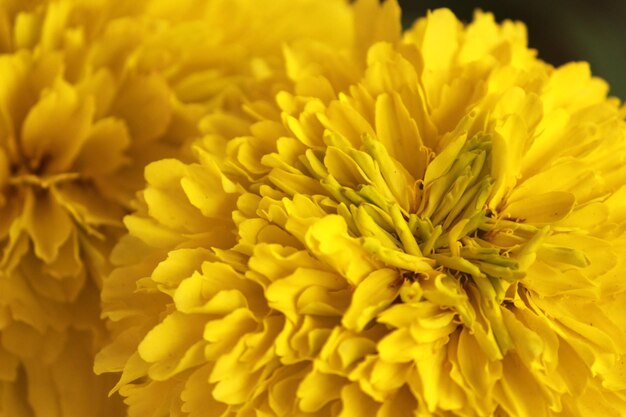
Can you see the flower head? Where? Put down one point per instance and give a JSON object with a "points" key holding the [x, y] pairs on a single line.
{"points": [[428, 224], [91, 92]]}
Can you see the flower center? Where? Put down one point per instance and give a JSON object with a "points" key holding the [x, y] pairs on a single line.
{"points": [[444, 218], [33, 174], [432, 223], [41, 181]]}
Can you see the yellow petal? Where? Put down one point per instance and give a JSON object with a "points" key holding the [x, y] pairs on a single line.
{"points": [[341, 166], [56, 128], [144, 104], [179, 265], [376, 22], [440, 41], [328, 238], [444, 161], [398, 347], [474, 364], [47, 223], [541, 208], [518, 392], [103, 151], [355, 402], [210, 191], [177, 331], [374, 294], [317, 389], [196, 402], [508, 146], [392, 122], [285, 294], [151, 232]]}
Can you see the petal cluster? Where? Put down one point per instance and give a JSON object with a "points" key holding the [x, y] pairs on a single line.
{"points": [[91, 92], [428, 223]]}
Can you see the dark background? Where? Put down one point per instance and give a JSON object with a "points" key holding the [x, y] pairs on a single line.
{"points": [[561, 30]]}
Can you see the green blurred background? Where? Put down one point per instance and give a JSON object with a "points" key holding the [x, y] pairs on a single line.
{"points": [[561, 30]]}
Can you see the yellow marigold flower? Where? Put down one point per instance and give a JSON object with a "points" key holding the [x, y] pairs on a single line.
{"points": [[423, 224], [91, 92]]}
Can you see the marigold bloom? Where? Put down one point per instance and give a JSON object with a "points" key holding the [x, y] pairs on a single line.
{"points": [[90, 92], [426, 224]]}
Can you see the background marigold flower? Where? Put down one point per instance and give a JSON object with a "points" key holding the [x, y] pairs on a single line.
{"points": [[91, 92], [423, 224]]}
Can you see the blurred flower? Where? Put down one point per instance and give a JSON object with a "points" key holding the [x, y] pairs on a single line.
{"points": [[430, 224], [91, 92]]}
